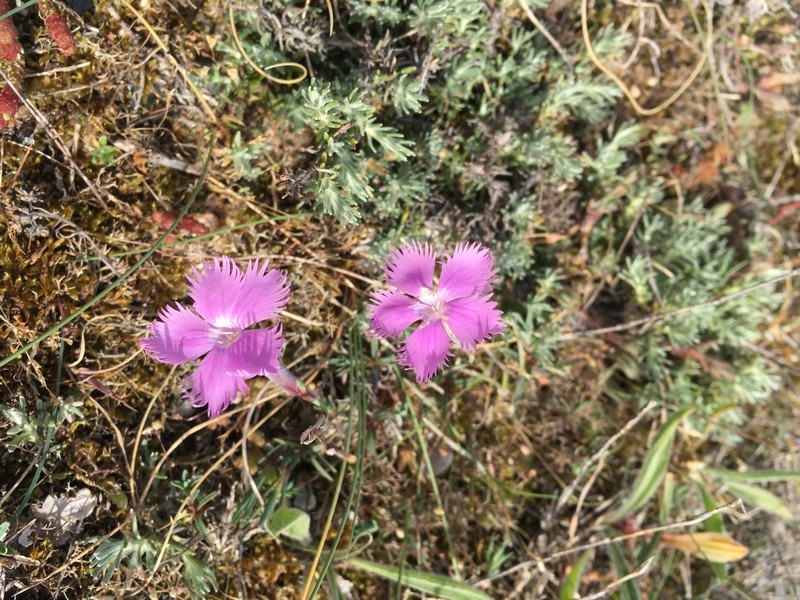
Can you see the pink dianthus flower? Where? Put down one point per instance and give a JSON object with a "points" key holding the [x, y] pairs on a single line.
{"points": [[226, 302], [458, 310]]}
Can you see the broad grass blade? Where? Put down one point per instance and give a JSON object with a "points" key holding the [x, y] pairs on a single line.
{"points": [[654, 468], [430, 583]]}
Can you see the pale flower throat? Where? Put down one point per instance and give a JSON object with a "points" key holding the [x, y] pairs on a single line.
{"points": [[431, 305], [225, 336]]}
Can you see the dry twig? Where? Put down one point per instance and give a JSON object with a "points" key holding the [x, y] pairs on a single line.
{"points": [[623, 86], [614, 540]]}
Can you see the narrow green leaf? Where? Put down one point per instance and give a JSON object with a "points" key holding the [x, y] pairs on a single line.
{"points": [[713, 524], [654, 468], [630, 589], [430, 583], [569, 589], [760, 498], [753, 476], [291, 522], [667, 499]]}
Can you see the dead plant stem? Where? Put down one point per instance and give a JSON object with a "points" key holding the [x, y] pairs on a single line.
{"points": [[263, 71], [157, 39], [652, 319], [614, 540], [547, 35], [587, 40], [644, 568], [600, 454], [200, 481]]}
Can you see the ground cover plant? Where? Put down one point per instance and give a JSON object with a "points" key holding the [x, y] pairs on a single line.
{"points": [[485, 299]]}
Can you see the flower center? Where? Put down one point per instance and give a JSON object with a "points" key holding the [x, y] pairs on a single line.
{"points": [[225, 336], [431, 304]]}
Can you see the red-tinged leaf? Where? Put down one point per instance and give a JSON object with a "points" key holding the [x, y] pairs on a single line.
{"points": [[187, 224], [784, 212], [9, 37], [9, 105], [58, 30]]}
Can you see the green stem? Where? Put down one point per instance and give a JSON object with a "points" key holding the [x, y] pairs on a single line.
{"points": [[357, 392], [434, 485], [14, 11], [51, 426]]}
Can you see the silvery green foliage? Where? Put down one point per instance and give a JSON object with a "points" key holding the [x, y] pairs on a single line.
{"points": [[432, 117], [349, 135], [704, 357], [491, 91]]}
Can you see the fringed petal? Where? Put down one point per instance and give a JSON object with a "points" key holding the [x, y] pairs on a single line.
{"points": [[473, 320], [214, 383], [178, 336], [467, 272], [426, 350], [214, 290], [256, 352], [228, 298], [410, 268], [391, 313]]}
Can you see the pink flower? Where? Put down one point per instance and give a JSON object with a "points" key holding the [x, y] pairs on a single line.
{"points": [[226, 303], [458, 310]]}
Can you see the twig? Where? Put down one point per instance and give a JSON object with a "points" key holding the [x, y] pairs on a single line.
{"points": [[664, 20], [644, 568], [80, 232], [91, 548], [117, 433], [785, 200], [639, 36], [652, 319], [157, 39], [575, 519], [613, 540], [186, 435], [245, 464], [196, 486], [55, 70], [140, 431], [562, 499], [122, 278], [645, 532], [587, 40], [90, 372], [548, 36], [56, 139]]}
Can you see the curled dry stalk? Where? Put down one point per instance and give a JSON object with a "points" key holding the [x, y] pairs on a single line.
{"points": [[641, 110], [263, 71]]}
